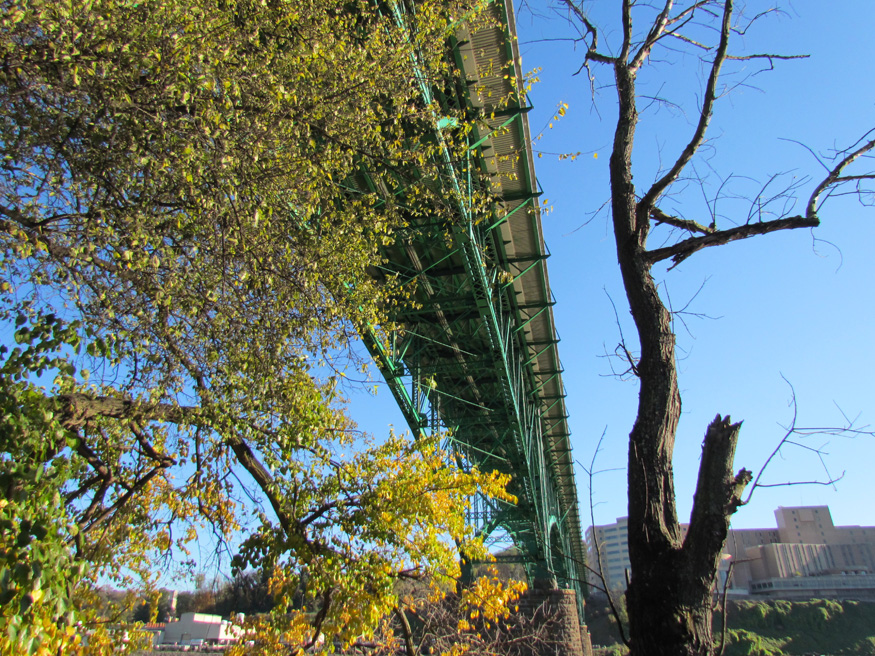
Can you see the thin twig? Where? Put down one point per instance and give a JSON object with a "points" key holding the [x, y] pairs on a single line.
{"points": [[590, 472]]}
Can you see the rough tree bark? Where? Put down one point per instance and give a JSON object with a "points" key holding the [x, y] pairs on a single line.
{"points": [[669, 597]]}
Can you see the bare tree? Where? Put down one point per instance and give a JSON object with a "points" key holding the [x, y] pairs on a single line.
{"points": [[596, 574], [447, 627], [669, 596]]}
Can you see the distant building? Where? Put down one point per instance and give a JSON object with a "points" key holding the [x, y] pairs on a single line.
{"points": [[613, 554], [155, 630], [805, 556], [201, 628]]}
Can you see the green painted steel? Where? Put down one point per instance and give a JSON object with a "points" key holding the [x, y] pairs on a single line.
{"points": [[476, 355]]}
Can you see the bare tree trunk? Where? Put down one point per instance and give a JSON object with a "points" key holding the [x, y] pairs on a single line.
{"points": [[669, 594], [654, 533], [669, 597]]}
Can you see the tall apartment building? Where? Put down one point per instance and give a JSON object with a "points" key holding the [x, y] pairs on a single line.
{"points": [[806, 555], [613, 554]]}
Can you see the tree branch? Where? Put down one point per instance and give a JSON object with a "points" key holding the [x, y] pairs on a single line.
{"points": [[684, 224], [770, 57], [682, 250], [653, 194], [622, 59], [122, 500], [592, 49], [687, 13], [406, 630], [834, 175], [320, 617], [793, 429], [598, 552], [264, 479], [686, 39], [78, 409], [831, 481], [653, 36]]}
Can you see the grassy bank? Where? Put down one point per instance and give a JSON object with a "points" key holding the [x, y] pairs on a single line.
{"points": [[775, 628]]}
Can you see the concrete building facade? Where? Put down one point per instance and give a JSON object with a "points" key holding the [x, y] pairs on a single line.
{"points": [[613, 554], [806, 556]]}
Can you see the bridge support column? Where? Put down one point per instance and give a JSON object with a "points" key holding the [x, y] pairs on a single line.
{"points": [[555, 611]]}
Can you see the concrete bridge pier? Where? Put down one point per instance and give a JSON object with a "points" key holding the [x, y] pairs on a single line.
{"points": [[554, 611]]}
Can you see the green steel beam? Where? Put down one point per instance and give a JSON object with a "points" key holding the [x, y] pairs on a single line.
{"points": [[528, 196], [537, 355], [552, 405], [506, 217], [513, 116], [523, 325], [521, 274], [463, 356]]}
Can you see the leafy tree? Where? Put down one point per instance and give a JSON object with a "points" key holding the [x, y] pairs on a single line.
{"points": [[669, 597], [187, 251], [198, 601], [37, 570], [483, 618], [156, 607], [248, 592]]}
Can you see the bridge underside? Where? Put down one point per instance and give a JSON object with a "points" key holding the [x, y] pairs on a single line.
{"points": [[475, 354]]}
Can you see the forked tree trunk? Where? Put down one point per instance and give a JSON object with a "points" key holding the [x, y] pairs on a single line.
{"points": [[669, 597], [670, 592]]}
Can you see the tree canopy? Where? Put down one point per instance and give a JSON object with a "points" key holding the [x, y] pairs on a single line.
{"points": [[186, 255]]}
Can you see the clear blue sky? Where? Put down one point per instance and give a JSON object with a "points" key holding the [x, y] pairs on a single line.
{"points": [[785, 305]]}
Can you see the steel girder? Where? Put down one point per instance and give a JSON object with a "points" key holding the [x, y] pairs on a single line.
{"points": [[475, 355]]}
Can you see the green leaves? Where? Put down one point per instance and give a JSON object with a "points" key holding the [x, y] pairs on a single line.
{"points": [[36, 566], [193, 200]]}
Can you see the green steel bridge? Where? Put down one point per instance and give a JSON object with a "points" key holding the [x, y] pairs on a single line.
{"points": [[476, 355]]}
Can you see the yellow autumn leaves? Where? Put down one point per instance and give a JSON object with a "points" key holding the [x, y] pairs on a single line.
{"points": [[184, 183]]}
